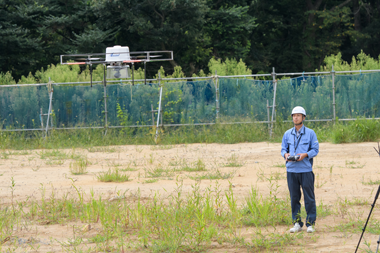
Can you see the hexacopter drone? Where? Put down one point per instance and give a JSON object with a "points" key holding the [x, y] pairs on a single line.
{"points": [[117, 60]]}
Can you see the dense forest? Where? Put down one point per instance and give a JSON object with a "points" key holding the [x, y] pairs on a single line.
{"points": [[289, 35]]}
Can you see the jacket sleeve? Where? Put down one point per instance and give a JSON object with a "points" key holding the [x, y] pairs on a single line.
{"points": [[314, 145], [284, 145]]}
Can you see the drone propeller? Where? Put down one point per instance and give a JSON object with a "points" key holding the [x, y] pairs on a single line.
{"points": [[88, 59], [378, 146], [144, 56]]}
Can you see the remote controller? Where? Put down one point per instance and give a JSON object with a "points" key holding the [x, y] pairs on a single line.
{"points": [[293, 158]]}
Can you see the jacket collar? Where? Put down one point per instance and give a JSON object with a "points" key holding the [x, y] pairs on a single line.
{"points": [[302, 130]]}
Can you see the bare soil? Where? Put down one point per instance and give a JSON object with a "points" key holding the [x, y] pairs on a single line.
{"points": [[340, 171]]}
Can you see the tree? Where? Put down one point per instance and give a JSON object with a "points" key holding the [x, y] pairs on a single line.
{"points": [[20, 43], [159, 25], [229, 26]]}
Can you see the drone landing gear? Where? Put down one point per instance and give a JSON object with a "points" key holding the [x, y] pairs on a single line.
{"points": [[144, 72], [91, 74], [133, 76]]}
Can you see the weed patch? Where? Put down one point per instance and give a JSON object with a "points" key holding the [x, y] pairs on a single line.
{"points": [[259, 211], [370, 182], [54, 162], [79, 167], [113, 176], [53, 155], [158, 172], [280, 165], [214, 175], [161, 147], [197, 166], [102, 149], [128, 169], [233, 161], [150, 181], [354, 165], [4, 155]]}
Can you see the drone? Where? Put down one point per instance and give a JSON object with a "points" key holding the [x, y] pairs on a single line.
{"points": [[116, 60]]}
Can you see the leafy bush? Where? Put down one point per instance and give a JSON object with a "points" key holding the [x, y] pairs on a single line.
{"points": [[360, 130], [361, 61]]}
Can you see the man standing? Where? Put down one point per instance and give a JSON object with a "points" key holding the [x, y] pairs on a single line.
{"points": [[299, 146]]}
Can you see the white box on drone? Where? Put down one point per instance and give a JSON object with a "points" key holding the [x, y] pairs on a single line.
{"points": [[117, 54]]}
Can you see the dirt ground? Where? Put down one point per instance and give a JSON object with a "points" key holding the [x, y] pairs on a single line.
{"points": [[340, 172]]}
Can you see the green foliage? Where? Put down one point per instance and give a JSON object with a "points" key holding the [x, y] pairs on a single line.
{"points": [[228, 68], [53, 155], [360, 130], [123, 119], [213, 175], [73, 73], [233, 161], [79, 166], [6, 78], [361, 61], [113, 175], [27, 80], [261, 211], [353, 131], [290, 35], [68, 73], [229, 27], [327, 30], [196, 166]]}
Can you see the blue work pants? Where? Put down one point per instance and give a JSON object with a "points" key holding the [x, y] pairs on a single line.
{"points": [[306, 181]]}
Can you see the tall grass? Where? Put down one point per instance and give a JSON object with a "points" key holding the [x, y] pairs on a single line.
{"points": [[360, 130], [87, 138], [180, 222]]}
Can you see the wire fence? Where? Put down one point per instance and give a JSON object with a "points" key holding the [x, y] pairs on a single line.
{"points": [[326, 96]]}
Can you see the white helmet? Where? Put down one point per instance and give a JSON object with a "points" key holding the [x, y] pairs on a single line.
{"points": [[299, 109]]}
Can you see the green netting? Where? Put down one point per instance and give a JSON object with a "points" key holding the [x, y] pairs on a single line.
{"points": [[357, 95], [189, 102], [78, 106], [135, 102], [240, 100], [20, 106], [244, 100], [182, 102], [314, 93]]}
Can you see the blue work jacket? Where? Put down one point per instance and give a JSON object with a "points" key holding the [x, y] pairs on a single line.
{"points": [[306, 142]]}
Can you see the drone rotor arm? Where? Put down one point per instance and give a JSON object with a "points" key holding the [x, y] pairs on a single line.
{"points": [[75, 63], [132, 61]]}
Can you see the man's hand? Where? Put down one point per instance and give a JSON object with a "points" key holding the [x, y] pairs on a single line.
{"points": [[302, 156], [286, 156]]}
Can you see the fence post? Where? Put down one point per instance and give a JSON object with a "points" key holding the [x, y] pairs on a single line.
{"points": [[50, 90], [268, 114], [216, 95], [159, 106], [274, 101], [105, 99], [333, 92]]}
